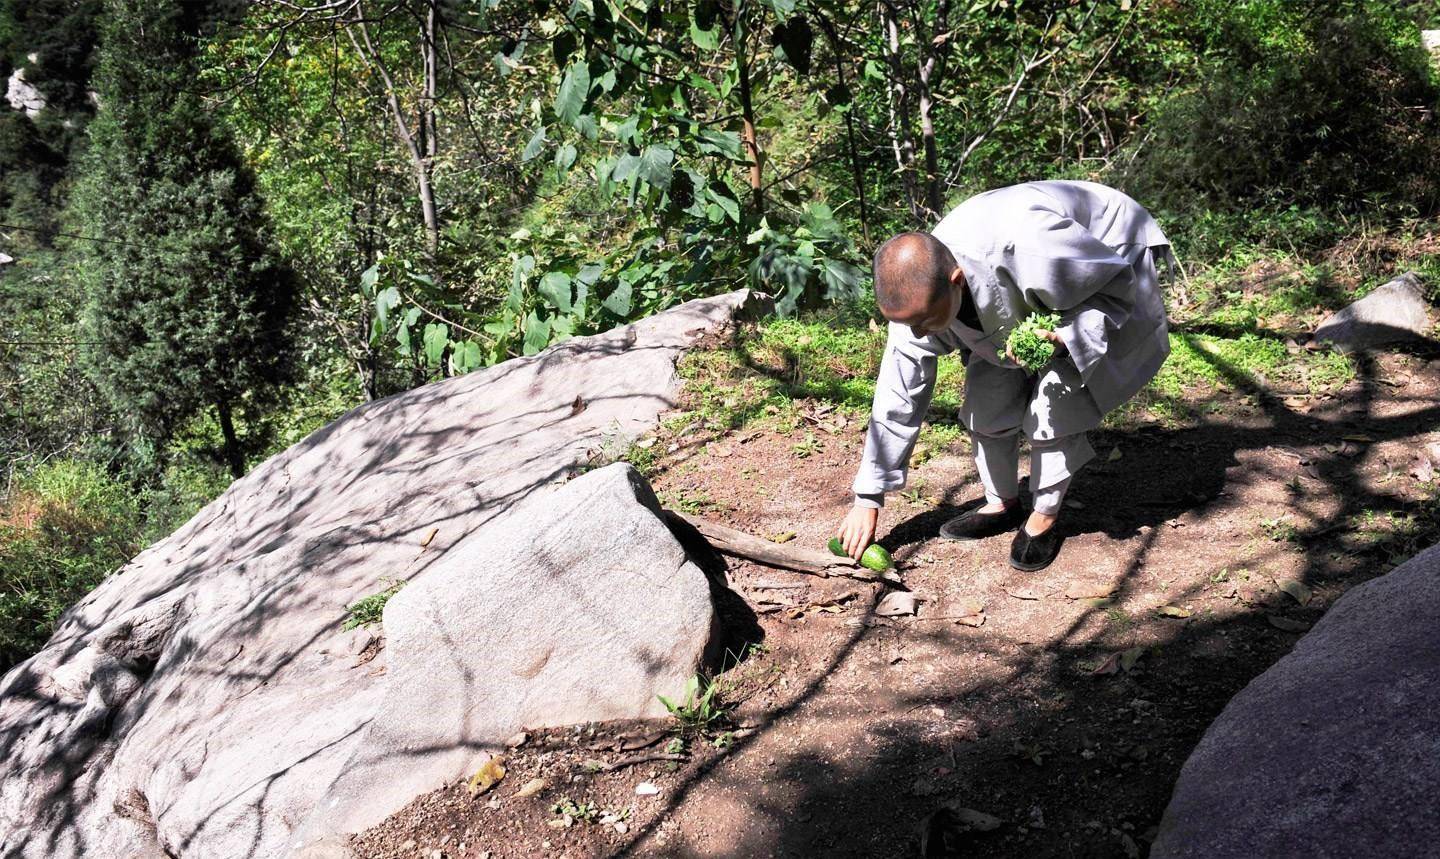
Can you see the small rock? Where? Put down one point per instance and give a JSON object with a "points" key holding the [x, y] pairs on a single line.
{"points": [[622, 828], [408, 845], [517, 740], [646, 788]]}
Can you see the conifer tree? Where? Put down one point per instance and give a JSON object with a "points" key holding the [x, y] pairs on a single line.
{"points": [[186, 302]]}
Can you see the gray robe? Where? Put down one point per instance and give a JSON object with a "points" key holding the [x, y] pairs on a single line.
{"points": [[1077, 248]]}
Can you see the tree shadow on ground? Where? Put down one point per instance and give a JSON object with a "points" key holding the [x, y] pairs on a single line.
{"points": [[1077, 764]]}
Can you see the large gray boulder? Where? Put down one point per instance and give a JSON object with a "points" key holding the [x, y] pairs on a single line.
{"points": [[585, 608], [203, 698], [1393, 313], [1334, 751]]}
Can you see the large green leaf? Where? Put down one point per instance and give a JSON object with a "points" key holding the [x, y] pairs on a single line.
{"points": [[574, 89], [705, 34], [519, 274], [555, 287], [537, 142], [368, 280], [618, 301], [726, 143], [466, 356], [655, 164], [626, 167], [793, 39], [537, 334], [436, 338], [565, 157], [385, 301]]}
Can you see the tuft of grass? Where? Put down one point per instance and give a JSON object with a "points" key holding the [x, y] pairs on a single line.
{"points": [[369, 610], [700, 710]]}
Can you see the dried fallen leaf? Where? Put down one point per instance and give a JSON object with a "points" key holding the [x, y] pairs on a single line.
{"points": [[1174, 611], [1287, 624], [489, 775], [1297, 590], [577, 406], [719, 450], [783, 537], [972, 619], [1088, 590], [532, 787], [1130, 656], [1025, 594], [428, 537], [1114, 455], [943, 832], [630, 744], [964, 606], [646, 788], [1074, 505], [897, 603], [1111, 665]]}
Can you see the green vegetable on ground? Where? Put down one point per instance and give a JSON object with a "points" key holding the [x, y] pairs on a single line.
{"points": [[874, 557], [1025, 343]]}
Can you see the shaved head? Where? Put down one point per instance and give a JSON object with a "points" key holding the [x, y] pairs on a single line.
{"points": [[912, 274]]}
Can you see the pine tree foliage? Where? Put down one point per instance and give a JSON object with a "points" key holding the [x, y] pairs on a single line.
{"points": [[186, 304]]}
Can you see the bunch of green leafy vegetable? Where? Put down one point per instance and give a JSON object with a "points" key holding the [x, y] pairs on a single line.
{"points": [[1027, 346]]}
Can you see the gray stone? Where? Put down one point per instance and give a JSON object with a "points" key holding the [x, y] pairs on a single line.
{"points": [[1393, 313], [585, 609], [1335, 750], [22, 95], [194, 704]]}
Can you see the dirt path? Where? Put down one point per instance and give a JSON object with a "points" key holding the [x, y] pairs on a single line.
{"points": [[1066, 713]]}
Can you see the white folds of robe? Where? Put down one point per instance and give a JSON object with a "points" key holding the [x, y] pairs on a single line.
{"points": [[1076, 248]]}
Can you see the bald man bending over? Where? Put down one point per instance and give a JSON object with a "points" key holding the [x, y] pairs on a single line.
{"points": [[1079, 249]]}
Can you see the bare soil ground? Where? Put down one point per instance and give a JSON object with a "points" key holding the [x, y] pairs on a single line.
{"points": [[1195, 556]]}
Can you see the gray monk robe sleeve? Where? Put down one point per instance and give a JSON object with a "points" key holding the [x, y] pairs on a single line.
{"points": [[902, 396], [1057, 264]]}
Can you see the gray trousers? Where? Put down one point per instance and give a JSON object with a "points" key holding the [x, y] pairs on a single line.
{"points": [[1052, 409]]}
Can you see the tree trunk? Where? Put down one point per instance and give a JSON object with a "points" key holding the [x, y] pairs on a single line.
{"points": [[233, 455], [898, 102], [420, 163], [747, 110], [857, 170]]}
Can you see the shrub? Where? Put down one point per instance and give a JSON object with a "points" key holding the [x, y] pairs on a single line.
{"points": [[64, 526], [1327, 103]]}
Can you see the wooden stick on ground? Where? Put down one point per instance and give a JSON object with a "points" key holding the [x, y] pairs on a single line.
{"points": [[802, 560]]}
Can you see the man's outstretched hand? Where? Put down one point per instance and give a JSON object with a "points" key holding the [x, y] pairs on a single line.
{"points": [[857, 530]]}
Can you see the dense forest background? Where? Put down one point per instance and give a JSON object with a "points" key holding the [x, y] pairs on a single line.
{"points": [[225, 224]]}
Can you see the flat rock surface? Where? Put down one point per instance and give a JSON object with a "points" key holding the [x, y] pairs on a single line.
{"points": [[202, 698], [585, 609], [1393, 313], [1335, 750]]}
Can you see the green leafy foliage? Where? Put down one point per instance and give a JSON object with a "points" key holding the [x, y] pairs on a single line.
{"points": [[1031, 350]]}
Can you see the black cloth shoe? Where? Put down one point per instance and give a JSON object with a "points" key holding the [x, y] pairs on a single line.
{"points": [[974, 525], [1035, 552]]}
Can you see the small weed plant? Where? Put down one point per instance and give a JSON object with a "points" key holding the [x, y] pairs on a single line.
{"points": [[368, 610], [700, 710]]}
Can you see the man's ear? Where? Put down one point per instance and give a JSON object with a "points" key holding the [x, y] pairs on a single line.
{"points": [[957, 276]]}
